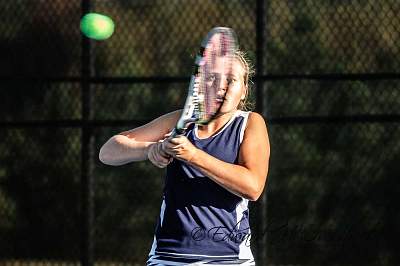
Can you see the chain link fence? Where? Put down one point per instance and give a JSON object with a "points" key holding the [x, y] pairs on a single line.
{"points": [[327, 83]]}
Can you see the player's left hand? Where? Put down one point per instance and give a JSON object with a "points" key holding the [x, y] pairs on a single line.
{"points": [[180, 148]]}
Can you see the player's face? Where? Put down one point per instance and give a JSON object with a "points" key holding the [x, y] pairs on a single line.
{"points": [[232, 88]]}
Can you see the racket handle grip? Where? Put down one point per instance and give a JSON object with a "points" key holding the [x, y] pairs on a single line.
{"points": [[177, 132]]}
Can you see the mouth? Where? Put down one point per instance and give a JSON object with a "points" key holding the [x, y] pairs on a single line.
{"points": [[220, 99]]}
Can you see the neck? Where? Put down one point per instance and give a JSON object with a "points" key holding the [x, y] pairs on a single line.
{"points": [[215, 125]]}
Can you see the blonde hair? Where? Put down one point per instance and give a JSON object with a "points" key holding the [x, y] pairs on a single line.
{"points": [[245, 104]]}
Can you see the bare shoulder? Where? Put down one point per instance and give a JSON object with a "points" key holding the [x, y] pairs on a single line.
{"points": [[155, 129], [256, 122], [256, 132], [255, 141]]}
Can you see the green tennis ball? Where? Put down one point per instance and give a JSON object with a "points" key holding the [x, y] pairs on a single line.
{"points": [[97, 26]]}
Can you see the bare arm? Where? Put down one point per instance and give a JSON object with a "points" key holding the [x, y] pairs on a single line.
{"points": [[247, 179], [137, 144]]}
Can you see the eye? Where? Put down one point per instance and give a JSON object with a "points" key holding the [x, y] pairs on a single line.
{"points": [[210, 78], [230, 81]]}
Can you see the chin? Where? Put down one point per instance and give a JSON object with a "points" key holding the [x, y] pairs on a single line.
{"points": [[226, 110], [227, 107]]}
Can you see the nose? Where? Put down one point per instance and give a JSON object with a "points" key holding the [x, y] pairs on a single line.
{"points": [[222, 83]]}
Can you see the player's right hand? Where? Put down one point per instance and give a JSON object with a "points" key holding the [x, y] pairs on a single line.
{"points": [[157, 156]]}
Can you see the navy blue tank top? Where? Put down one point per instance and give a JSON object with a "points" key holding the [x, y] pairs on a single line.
{"points": [[199, 218]]}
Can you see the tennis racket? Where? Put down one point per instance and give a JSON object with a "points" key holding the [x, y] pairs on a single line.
{"points": [[213, 62]]}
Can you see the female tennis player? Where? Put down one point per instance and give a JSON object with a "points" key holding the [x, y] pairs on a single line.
{"points": [[212, 172]]}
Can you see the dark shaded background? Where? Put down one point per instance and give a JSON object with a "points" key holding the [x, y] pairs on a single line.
{"points": [[327, 84]]}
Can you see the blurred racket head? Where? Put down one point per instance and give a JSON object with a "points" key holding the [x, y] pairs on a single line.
{"points": [[212, 67]]}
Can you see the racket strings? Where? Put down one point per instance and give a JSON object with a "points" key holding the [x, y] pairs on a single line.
{"points": [[217, 58], [204, 100]]}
